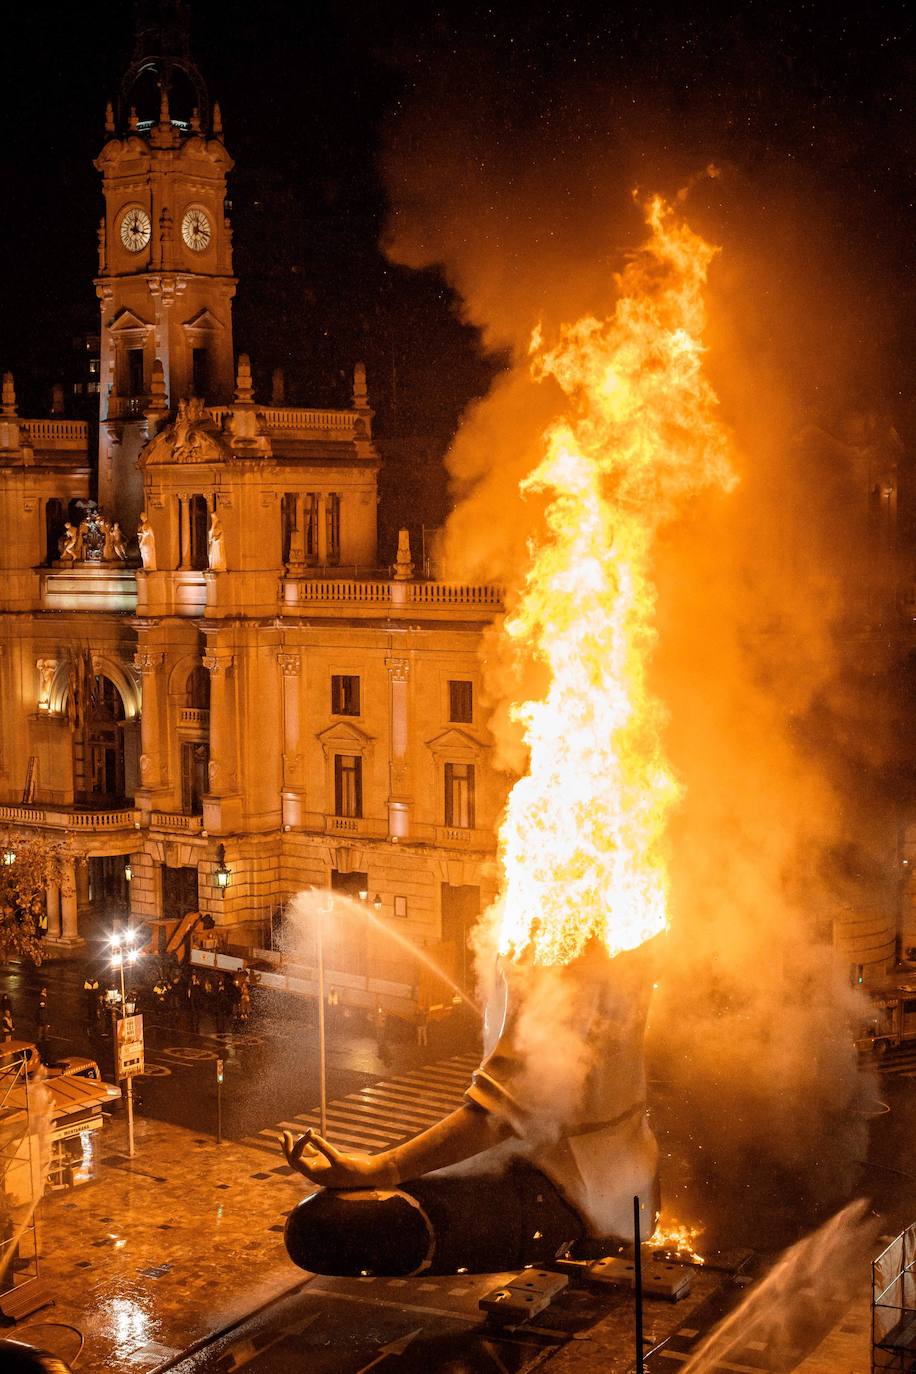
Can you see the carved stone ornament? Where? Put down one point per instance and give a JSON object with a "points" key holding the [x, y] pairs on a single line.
{"points": [[148, 662], [191, 438], [398, 669], [290, 664], [215, 664], [146, 765]]}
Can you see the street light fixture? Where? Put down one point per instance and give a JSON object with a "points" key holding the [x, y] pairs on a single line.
{"points": [[364, 894], [128, 871], [377, 903], [122, 948], [222, 872], [9, 857]]}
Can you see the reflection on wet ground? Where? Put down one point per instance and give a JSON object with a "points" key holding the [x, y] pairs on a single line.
{"points": [[156, 1252]]}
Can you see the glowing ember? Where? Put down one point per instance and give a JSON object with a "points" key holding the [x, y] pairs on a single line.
{"points": [[677, 1240], [580, 843]]}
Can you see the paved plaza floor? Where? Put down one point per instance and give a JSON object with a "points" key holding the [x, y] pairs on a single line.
{"points": [[175, 1260]]}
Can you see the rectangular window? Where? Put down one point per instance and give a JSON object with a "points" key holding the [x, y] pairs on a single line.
{"points": [[194, 764], [459, 795], [200, 376], [135, 371], [288, 511], [310, 526], [332, 516], [461, 701], [345, 696], [348, 785]]}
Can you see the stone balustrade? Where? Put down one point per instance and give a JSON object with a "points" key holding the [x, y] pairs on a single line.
{"points": [[318, 591], [170, 820], [295, 419], [62, 818], [194, 718], [55, 433]]}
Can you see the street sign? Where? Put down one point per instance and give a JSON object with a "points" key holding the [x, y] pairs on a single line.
{"points": [[130, 1046]]}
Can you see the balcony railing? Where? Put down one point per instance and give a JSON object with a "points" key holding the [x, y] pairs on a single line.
{"points": [[170, 820], [55, 433], [193, 718], [313, 591], [62, 818], [297, 420], [345, 825]]}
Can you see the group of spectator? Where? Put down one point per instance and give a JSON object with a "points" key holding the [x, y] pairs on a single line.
{"points": [[180, 996], [190, 994]]}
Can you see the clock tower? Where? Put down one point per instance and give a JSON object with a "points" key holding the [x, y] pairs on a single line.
{"points": [[165, 280]]}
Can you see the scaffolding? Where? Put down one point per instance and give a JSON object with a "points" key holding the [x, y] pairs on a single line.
{"points": [[20, 1179], [893, 1308]]}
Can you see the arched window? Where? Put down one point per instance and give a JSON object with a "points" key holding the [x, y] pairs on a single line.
{"points": [[99, 745], [197, 692]]}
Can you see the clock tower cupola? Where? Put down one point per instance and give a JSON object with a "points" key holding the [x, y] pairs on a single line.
{"points": [[165, 280]]}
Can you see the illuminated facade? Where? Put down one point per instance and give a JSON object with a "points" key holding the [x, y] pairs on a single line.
{"points": [[208, 664]]}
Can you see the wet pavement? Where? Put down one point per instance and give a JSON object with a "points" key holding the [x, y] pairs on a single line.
{"points": [[159, 1251], [181, 1247]]}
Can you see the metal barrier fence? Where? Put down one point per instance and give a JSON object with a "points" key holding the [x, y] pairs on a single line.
{"points": [[893, 1311]]}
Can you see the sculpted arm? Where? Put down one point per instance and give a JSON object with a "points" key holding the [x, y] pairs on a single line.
{"points": [[465, 1132]]}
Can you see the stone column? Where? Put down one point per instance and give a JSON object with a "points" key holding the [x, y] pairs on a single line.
{"points": [[153, 732], [68, 908], [52, 906], [398, 799], [291, 667]]}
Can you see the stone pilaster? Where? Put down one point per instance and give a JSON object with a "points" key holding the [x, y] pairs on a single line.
{"points": [[293, 781], [398, 796], [222, 804]]}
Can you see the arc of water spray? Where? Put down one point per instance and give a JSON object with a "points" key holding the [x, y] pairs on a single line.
{"points": [[325, 902]]}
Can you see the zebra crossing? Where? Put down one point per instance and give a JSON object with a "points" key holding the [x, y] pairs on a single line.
{"points": [[386, 1112]]}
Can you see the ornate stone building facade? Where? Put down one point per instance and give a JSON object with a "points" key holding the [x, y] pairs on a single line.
{"points": [[203, 669]]}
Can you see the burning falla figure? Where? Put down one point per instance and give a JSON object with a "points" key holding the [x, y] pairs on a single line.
{"points": [[547, 1152], [552, 1142]]}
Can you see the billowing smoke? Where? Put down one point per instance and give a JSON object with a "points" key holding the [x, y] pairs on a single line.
{"points": [[780, 718]]}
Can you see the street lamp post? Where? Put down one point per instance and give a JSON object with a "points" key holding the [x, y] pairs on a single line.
{"points": [[322, 1046], [122, 948]]}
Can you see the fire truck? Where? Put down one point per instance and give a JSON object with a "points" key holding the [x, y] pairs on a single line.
{"points": [[892, 1020]]}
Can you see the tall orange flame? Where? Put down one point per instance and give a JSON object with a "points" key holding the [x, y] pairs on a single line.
{"points": [[581, 840]]}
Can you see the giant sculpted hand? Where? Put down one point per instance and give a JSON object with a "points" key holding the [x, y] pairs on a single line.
{"points": [[321, 1163]]}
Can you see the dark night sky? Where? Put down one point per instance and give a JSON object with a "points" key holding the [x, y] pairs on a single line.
{"points": [[812, 94]]}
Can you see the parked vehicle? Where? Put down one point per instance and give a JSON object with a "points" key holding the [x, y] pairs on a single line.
{"points": [[892, 1020]]}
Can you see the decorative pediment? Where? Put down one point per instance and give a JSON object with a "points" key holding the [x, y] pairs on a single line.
{"points": [[191, 438], [125, 320], [454, 744], [204, 320], [344, 738]]}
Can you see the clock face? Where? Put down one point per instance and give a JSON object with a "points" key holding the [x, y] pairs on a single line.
{"points": [[195, 229], [135, 229]]}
